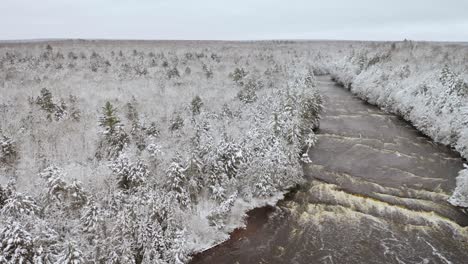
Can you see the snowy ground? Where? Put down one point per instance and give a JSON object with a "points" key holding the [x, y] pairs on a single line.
{"points": [[145, 152]]}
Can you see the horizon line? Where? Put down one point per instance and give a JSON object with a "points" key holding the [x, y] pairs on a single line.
{"points": [[32, 40]]}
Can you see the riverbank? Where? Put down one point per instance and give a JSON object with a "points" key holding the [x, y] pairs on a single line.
{"points": [[376, 193]]}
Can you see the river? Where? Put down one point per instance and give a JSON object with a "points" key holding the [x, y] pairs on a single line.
{"points": [[376, 192]]}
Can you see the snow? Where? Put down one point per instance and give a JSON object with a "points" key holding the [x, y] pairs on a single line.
{"points": [[460, 195]]}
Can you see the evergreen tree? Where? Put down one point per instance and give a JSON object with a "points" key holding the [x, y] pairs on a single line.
{"points": [[76, 195], [153, 130], [196, 105], [226, 111], [71, 196], [75, 113], [173, 73], [264, 187], [115, 143], [3, 196], [154, 150], [16, 244], [309, 79], [194, 172], [91, 218], [109, 119], [453, 82], [18, 205], [176, 123], [247, 94], [238, 75], [310, 109], [45, 102], [56, 186], [115, 138], [71, 255], [55, 110], [208, 71], [46, 244], [218, 216], [178, 183], [276, 124], [8, 150], [129, 175], [230, 156], [132, 113], [138, 128]]}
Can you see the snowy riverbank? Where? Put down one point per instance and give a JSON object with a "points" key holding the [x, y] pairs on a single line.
{"points": [[424, 83]]}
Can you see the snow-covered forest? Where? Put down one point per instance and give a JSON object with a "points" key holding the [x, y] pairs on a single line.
{"points": [[149, 152], [425, 83], [143, 152]]}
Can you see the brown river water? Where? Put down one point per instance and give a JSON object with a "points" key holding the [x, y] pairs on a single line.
{"points": [[376, 193]]}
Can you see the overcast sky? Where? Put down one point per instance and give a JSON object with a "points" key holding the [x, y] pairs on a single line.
{"points": [[235, 20]]}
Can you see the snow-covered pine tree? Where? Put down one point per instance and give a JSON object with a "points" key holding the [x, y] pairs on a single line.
{"points": [[3, 196], [264, 186], [115, 138], [46, 243], [154, 151], [134, 235], [453, 82], [91, 218], [132, 113], [8, 149], [230, 155], [173, 73], [16, 244], [56, 186], [76, 195], [276, 124], [309, 79], [218, 216], [226, 111], [152, 130], [178, 182], [75, 112], [310, 109], [60, 110], [196, 105], [194, 172], [72, 196], [46, 103], [238, 75], [129, 174], [18, 205], [207, 70], [176, 122], [178, 253], [71, 255], [109, 120], [137, 128], [247, 94]]}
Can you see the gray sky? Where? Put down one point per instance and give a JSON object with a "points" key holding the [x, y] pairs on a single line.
{"points": [[237, 20]]}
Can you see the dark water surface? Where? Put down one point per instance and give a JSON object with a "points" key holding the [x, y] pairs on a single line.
{"points": [[376, 193]]}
